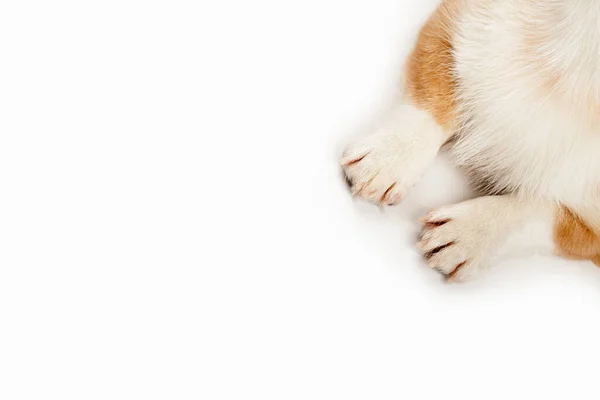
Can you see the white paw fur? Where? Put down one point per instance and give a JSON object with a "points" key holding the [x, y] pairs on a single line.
{"points": [[382, 167], [462, 240]]}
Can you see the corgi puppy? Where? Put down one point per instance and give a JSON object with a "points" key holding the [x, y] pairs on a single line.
{"points": [[512, 89]]}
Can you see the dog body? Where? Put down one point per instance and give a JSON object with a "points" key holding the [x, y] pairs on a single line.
{"points": [[528, 76], [513, 87]]}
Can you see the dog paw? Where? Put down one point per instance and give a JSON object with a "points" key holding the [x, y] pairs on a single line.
{"points": [[460, 240], [382, 168]]}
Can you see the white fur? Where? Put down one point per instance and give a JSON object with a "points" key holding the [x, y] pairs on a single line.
{"points": [[395, 156], [528, 95], [532, 142], [483, 229]]}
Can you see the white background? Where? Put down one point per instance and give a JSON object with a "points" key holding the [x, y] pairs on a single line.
{"points": [[174, 226]]}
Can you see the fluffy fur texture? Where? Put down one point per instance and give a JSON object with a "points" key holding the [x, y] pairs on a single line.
{"points": [[515, 85]]}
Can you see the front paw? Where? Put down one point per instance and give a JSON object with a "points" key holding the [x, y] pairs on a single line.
{"points": [[383, 167], [460, 240]]}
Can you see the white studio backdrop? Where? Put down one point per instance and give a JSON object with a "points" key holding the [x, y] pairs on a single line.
{"points": [[174, 225]]}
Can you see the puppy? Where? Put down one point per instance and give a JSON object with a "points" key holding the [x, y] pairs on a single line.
{"points": [[512, 87]]}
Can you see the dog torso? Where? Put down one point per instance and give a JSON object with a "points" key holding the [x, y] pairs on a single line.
{"points": [[528, 91], [512, 87]]}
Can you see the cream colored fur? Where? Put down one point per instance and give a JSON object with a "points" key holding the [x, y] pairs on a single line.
{"points": [[528, 106]]}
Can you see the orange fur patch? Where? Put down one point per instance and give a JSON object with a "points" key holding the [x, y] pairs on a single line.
{"points": [[431, 82], [574, 238]]}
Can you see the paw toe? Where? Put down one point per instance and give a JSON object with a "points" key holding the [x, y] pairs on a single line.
{"points": [[447, 259], [436, 235]]}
